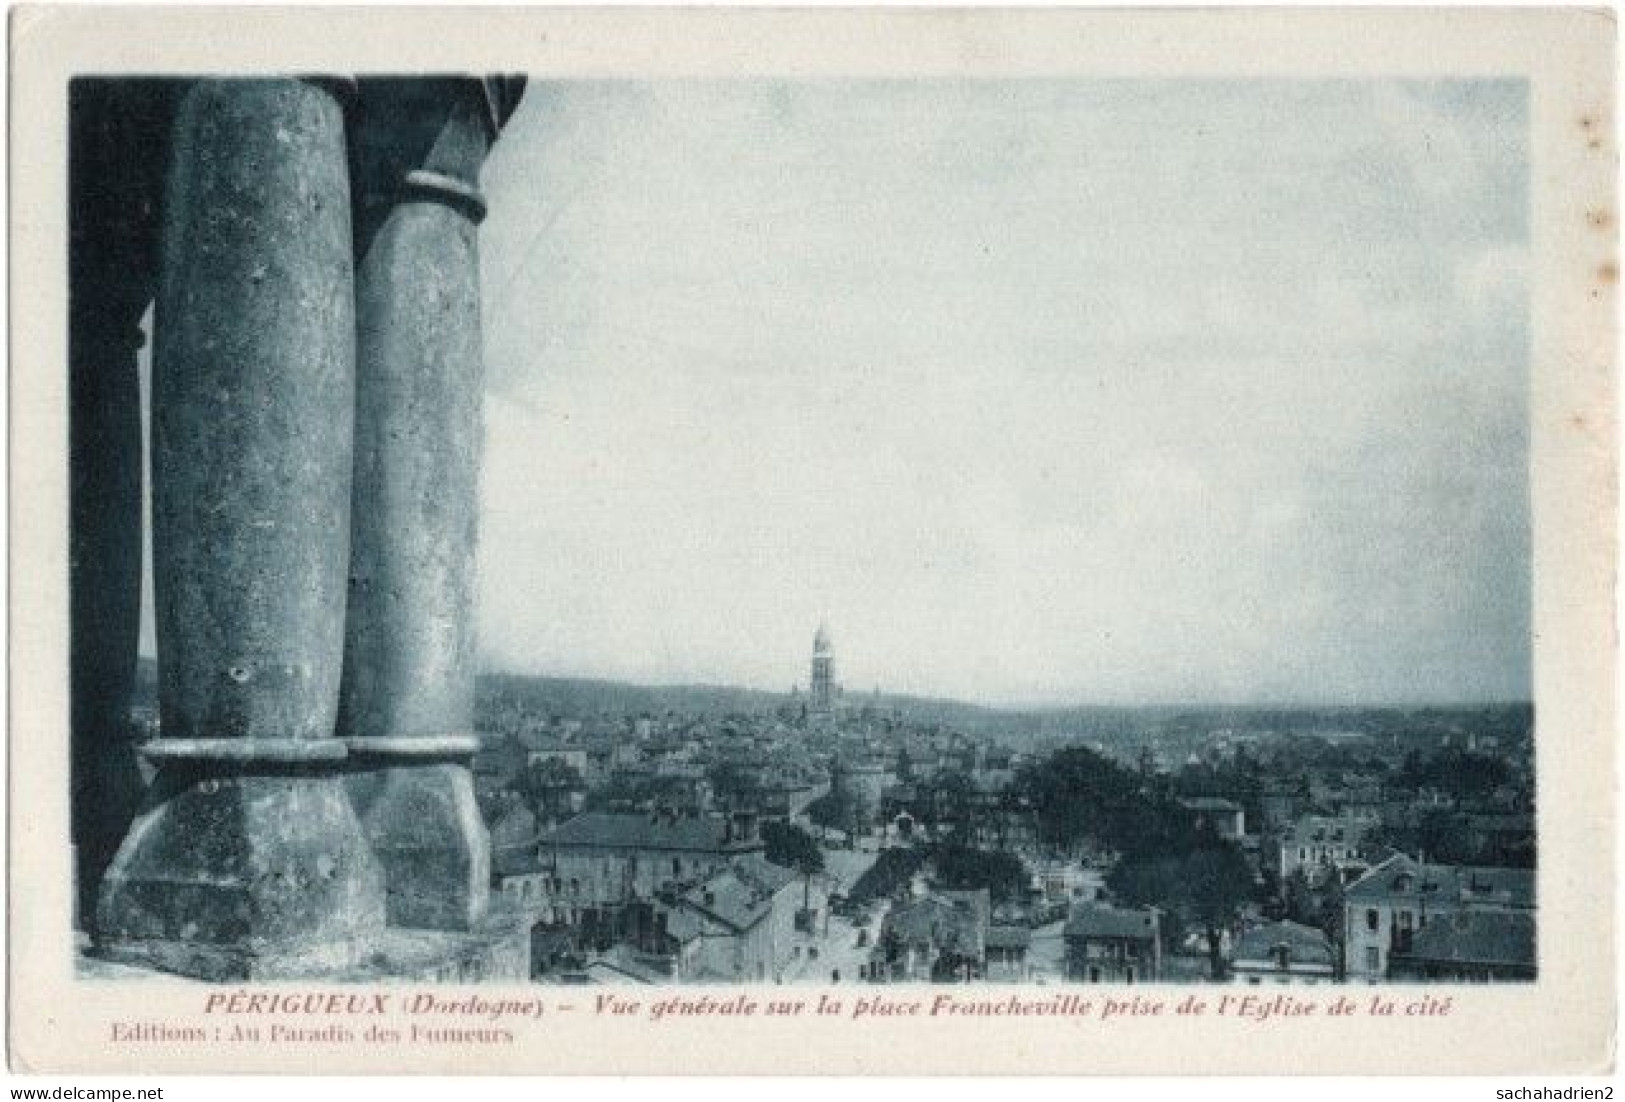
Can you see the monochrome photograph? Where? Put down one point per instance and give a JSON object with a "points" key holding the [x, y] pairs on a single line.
{"points": [[1158, 446], [560, 540]]}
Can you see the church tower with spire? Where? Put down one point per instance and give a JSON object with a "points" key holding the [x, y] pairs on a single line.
{"points": [[822, 696]]}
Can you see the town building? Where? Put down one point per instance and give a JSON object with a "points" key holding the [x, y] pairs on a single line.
{"points": [[608, 868], [742, 920], [1386, 909], [1107, 944], [1283, 952], [1007, 948], [1470, 947], [936, 937], [1223, 817], [1323, 847]]}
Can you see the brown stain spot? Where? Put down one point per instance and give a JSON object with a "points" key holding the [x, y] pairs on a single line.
{"points": [[1587, 122], [1578, 422], [1609, 272], [1599, 219]]}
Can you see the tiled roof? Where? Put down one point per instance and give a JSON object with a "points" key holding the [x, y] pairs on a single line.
{"points": [[1402, 877], [1093, 920], [1304, 944], [740, 895], [940, 921], [623, 830], [1326, 828], [1210, 803], [514, 860], [1477, 937], [1009, 937], [684, 926]]}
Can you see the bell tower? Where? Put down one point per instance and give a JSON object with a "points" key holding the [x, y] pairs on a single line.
{"points": [[822, 696]]}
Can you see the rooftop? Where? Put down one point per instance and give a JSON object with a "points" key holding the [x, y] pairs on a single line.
{"points": [[1304, 944], [1095, 920], [1404, 877], [1477, 937], [740, 895], [654, 831], [1210, 803]]}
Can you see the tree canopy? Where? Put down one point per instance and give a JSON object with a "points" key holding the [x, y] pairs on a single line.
{"points": [[964, 867], [1204, 888], [1079, 795], [790, 847]]}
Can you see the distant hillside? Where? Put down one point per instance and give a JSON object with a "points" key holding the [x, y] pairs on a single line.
{"points": [[579, 696], [576, 696], [1017, 726]]}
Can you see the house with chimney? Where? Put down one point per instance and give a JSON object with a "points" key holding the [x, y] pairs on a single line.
{"points": [[934, 937], [738, 925], [1283, 953], [1387, 910], [607, 869], [1106, 944], [1324, 848], [1470, 947]]}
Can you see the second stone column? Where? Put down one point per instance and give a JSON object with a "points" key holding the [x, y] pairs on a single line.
{"points": [[408, 691]]}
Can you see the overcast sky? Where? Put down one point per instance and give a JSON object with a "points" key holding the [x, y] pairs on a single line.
{"points": [[1036, 391]]}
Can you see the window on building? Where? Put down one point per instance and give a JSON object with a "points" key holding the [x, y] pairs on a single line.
{"points": [[1373, 959], [1372, 919]]}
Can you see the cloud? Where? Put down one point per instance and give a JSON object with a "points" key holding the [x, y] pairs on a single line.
{"points": [[1049, 390]]}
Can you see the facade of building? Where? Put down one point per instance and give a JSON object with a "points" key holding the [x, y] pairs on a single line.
{"points": [[1386, 910], [934, 937], [743, 922], [1007, 948], [1113, 945], [1323, 847], [607, 868]]}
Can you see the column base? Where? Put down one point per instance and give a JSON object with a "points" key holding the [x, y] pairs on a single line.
{"points": [[415, 800], [241, 870]]}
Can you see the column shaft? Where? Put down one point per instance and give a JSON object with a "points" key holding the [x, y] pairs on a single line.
{"points": [[408, 692], [248, 860]]}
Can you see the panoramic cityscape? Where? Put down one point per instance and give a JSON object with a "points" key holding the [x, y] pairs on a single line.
{"points": [[827, 836], [705, 834], [470, 627]]}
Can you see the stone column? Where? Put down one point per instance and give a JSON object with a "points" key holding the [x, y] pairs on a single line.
{"points": [[408, 692], [117, 137], [247, 861]]}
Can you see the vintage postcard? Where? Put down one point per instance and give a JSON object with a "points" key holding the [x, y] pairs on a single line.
{"points": [[819, 542]]}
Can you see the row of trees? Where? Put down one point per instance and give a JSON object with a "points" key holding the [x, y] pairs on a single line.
{"points": [[1198, 879]]}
